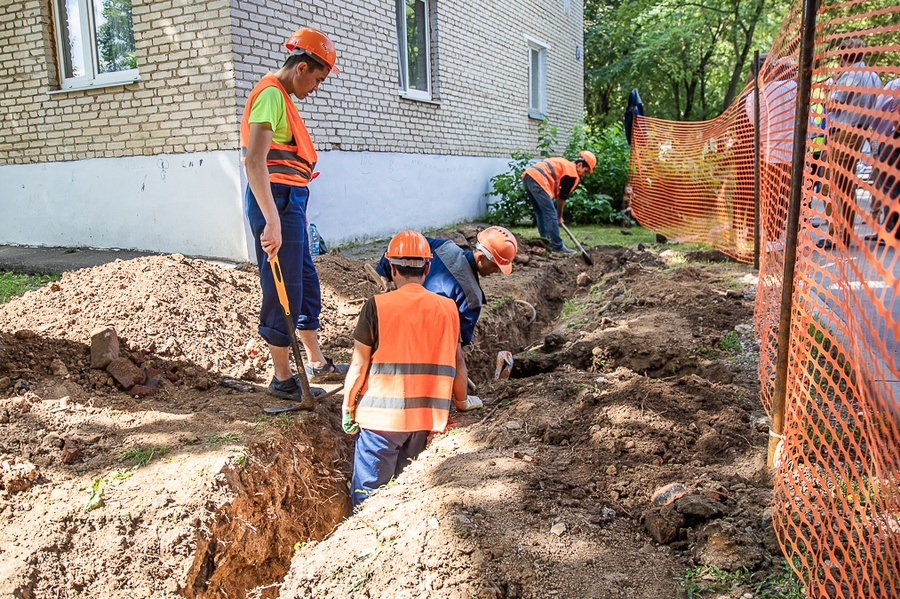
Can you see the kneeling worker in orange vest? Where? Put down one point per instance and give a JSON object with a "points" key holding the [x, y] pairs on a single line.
{"points": [[404, 372], [454, 273]]}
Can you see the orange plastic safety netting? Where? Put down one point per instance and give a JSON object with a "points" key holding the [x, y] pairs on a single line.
{"points": [[837, 480]]}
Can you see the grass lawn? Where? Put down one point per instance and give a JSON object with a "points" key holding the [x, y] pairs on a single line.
{"points": [[593, 235], [14, 284]]}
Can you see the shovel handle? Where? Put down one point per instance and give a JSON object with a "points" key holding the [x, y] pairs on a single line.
{"points": [[584, 254], [374, 276], [279, 284], [278, 276]]}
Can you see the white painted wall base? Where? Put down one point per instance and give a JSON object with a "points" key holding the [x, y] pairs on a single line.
{"points": [[193, 203], [365, 195], [187, 203]]}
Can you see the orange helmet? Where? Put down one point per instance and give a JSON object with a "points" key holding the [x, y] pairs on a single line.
{"points": [[316, 44], [500, 246], [589, 158], [408, 248]]}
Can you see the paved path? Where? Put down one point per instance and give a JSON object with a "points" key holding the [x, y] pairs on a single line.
{"points": [[47, 260]]}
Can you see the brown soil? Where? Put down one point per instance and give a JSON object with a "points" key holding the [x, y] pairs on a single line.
{"points": [[628, 376]]}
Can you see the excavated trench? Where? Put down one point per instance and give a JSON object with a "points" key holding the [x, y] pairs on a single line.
{"points": [[293, 488], [289, 490], [288, 484]]}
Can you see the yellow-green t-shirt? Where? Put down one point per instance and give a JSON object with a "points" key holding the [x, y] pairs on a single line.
{"points": [[268, 107]]}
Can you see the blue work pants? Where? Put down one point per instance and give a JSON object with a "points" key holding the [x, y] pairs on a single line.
{"points": [[545, 214], [300, 278], [379, 457]]}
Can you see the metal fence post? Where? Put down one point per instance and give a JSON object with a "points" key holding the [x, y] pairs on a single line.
{"points": [[801, 122], [756, 160]]}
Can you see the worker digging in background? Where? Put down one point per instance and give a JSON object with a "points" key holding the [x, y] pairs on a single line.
{"points": [[404, 371], [454, 273], [280, 161], [548, 184]]}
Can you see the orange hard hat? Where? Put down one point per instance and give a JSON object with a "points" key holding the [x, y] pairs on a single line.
{"points": [[500, 246], [408, 248], [316, 44], [588, 157]]}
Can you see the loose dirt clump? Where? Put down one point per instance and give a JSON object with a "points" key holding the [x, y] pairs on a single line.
{"points": [[630, 375]]}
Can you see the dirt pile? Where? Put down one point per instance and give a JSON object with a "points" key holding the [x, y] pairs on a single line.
{"points": [[174, 308], [171, 306], [630, 375]]}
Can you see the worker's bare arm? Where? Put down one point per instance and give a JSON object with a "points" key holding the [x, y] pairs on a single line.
{"points": [[353, 382], [258, 178], [461, 381]]}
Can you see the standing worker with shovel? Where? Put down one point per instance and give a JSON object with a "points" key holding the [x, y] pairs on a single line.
{"points": [[548, 184], [280, 160]]}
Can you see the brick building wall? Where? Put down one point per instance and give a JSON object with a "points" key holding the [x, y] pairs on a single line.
{"points": [[184, 102], [193, 87], [480, 73], [154, 165]]}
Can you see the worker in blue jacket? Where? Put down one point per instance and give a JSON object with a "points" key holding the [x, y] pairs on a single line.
{"points": [[454, 273]]}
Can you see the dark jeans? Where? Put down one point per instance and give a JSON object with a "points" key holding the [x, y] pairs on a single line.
{"points": [[379, 457], [544, 212], [300, 278]]}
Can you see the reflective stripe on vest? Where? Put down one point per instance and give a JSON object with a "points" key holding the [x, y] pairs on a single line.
{"points": [[409, 383], [548, 173], [290, 164]]}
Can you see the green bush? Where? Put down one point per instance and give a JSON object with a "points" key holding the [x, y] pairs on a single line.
{"points": [[596, 200], [587, 209], [511, 207], [611, 173]]}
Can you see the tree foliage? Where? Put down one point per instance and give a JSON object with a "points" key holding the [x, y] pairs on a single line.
{"points": [[115, 37], [688, 58]]}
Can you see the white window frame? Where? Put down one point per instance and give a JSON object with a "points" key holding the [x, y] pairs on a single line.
{"points": [[403, 53], [537, 107], [92, 77]]}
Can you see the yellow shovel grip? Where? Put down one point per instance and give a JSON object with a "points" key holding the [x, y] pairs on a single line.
{"points": [[279, 284]]}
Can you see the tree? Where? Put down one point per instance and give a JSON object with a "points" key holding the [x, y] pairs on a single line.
{"points": [[687, 57], [115, 37]]}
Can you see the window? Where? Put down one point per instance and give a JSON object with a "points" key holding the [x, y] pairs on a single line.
{"points": [[414, 45], [537, 79], [95, 43], [567, 6]]}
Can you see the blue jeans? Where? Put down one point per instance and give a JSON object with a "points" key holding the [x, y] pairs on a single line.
{"points": [[300, 278], [379, 457], [545, 214]]}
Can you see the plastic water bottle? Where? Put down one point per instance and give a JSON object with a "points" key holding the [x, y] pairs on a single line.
{"points": [[316, 243]]}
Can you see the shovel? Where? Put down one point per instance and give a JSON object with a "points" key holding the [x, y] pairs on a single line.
{"points": [[307, 401], [584, 254], [375, 276], [300, 406]]}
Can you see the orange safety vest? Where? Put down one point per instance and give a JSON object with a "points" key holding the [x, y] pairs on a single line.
{"points": [[289, 164], [409, 383], [548, 173]]}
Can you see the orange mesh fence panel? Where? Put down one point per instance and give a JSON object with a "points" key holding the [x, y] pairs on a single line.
{"points": [[837, 479]]}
